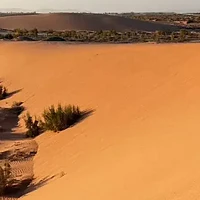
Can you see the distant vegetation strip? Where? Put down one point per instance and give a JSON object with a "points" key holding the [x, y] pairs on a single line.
{"points": [[101, 36], [6, 14]]}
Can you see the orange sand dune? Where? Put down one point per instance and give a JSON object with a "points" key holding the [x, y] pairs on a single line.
{"points": [[142, 141], [77, 21]]}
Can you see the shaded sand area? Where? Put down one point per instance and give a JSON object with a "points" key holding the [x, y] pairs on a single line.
{"points": [[15, 150], [142, 141]]}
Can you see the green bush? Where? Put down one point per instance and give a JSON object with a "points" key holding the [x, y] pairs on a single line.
{"points": [[54, 119], [3, 92], [60, 118], [32, 125]]}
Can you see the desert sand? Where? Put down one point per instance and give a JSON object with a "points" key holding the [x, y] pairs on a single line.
{"points": [[142, 140], [79, 21]]}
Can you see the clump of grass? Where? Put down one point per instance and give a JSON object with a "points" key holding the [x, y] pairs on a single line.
{"points": [[5, 175], [32, 125], [60, 118], [3, 92], [17, 108], [54, 119]]}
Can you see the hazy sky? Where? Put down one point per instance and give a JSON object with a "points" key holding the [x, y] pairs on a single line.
{"points": [[105, 5]]}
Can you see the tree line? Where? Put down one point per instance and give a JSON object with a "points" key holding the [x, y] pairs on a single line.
{"points": [[103, 36]]}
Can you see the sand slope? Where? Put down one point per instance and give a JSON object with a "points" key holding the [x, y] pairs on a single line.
{"points": [[75, 21], [142, 141]]}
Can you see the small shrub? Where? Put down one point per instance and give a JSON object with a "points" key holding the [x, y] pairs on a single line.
{"points": [[33, 32], [8, 36], [54, 119], [60, 118], [5, 174], [3, 92], [32, 125]]}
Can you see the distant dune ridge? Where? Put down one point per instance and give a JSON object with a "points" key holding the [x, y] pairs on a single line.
{"points": [[80, 21]]}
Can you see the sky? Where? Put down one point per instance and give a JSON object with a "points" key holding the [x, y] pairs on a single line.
{"points": [[103, 5]]}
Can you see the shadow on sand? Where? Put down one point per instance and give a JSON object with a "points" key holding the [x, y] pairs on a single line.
{"points": [[41, 183], [84, 114], [9, 119], [10, 94]]}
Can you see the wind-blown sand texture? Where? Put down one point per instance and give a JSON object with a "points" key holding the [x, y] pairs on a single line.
{"points": [[142, 141], [78, 21]]}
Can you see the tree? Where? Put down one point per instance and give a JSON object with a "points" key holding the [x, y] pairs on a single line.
{"points": [[34, 32], [20, 32], [172, 36], [142, 37], [113, 32], [49, 32], [100, 32], [158, 35], [182, 35]]}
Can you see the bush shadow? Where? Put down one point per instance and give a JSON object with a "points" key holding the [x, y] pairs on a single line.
{"points": [[41, 183], [84, 114], [9, 119], [10, 94]]}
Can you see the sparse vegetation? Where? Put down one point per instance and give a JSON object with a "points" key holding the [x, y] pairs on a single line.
{"points": [[32, 125], [103, 36], [54, 119], [6, 14], [60, 118], [11, 183], [3, 92], [189, 23], [5, 175]]}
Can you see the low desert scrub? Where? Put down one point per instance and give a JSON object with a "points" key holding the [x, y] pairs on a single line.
{"points": [[54, 119], [60, 118], [3, 92], [32, 125], [5, 175]]}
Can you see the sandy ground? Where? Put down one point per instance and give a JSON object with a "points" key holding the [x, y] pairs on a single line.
{"points": [[142, 141]]}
